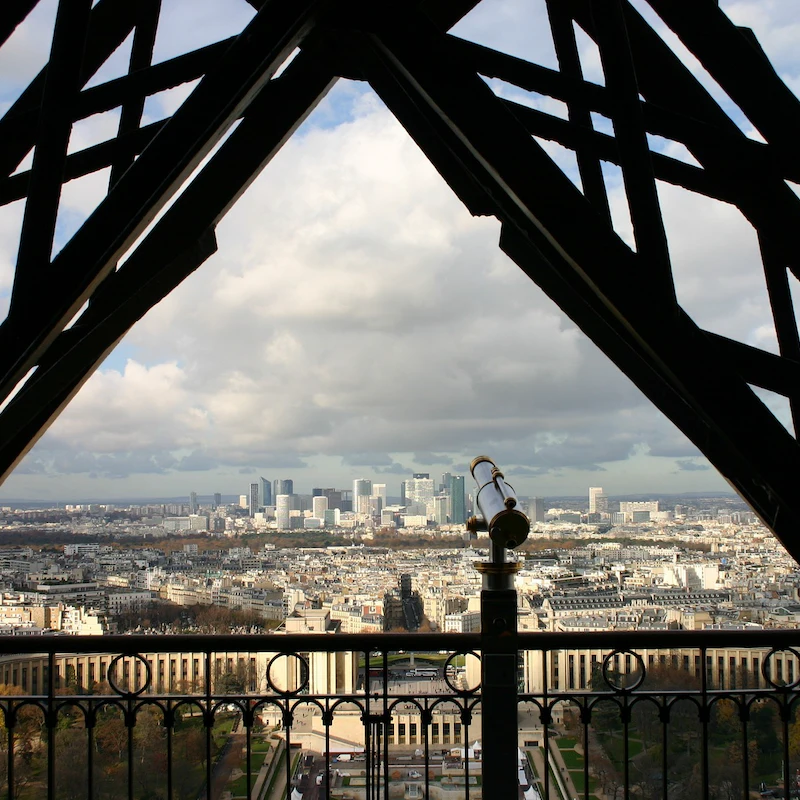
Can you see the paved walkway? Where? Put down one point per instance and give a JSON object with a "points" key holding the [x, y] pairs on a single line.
{"points": [[265, 773], [226, 763], [562, 778]]}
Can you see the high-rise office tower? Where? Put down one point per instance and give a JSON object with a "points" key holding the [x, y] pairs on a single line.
{"points": [[594, 492], [217, 499], [536, 509], [282, 507], [379, 490], [282, 486], [441, 508], [447, 483], [402, 493], [315, 492], [334, 498], [252, 500], [419, 489], [319, 505], [265, 491], [193, 502], [458, 502], [362, 489]]}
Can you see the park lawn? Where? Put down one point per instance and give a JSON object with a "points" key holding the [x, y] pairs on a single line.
{"points": [[259, 746], [533, 766], [223, 725], [392, 658], [577, 779], [239, 787], [566, 742], [615, 747], [572, 759]]}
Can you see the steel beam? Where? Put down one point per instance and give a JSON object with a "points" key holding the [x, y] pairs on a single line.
{"points": [[482, 146], [574, 253], [179, 243], [12, 13], [220, 98], [110, 22]]}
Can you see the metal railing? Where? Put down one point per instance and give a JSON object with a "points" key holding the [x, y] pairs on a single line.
{"points": [[606, 715]]}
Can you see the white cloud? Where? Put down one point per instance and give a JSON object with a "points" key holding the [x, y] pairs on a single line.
{"points": [[356, 313]]}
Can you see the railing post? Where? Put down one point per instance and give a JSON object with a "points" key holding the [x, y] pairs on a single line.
{"points": [[499, 654]]}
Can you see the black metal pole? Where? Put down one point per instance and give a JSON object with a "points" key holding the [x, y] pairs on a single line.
{"points": [[499, 675]]}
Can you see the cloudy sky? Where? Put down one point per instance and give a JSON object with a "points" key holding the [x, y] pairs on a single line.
{"points": [[358, 322]]}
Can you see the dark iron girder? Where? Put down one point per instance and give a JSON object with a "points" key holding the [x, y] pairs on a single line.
{"points": [[580, 119], [179, 243], [557, 238], [191, 133], [184, 237], [12, 13], [19, 123], [109, 23], [86, 161], [734, 58], [60, 89], [483, 147]]}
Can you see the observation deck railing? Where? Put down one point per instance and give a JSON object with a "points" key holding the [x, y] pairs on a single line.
{"points": [[601, 716]]}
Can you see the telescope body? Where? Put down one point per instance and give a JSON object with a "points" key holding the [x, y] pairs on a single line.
{"points": [[508, 526]]}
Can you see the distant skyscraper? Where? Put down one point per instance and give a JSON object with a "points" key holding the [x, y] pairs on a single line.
{"points": [[362, 489], [536, 509], [458, 502], [402, 493], [282, 486], [217, 499], [447, 482], [252, 500], [319, 505], [420, 490], [441, 508], [282, 507], [265, 492], [594, 492], [334, 498], [379, 490], [193, 502]]}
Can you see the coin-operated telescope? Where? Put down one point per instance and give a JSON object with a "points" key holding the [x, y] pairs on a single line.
{"points": [[508, 527]]}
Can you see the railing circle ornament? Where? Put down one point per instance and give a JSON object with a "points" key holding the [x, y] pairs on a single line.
{"points": [[631, 680], [112, 668], [451, 670], [294, 677], [769, 673]]}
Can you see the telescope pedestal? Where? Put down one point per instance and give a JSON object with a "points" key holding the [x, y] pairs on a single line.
{"points": [[499, 650]]}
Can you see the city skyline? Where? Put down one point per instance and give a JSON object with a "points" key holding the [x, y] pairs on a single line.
{"points": [[276, 354]]}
